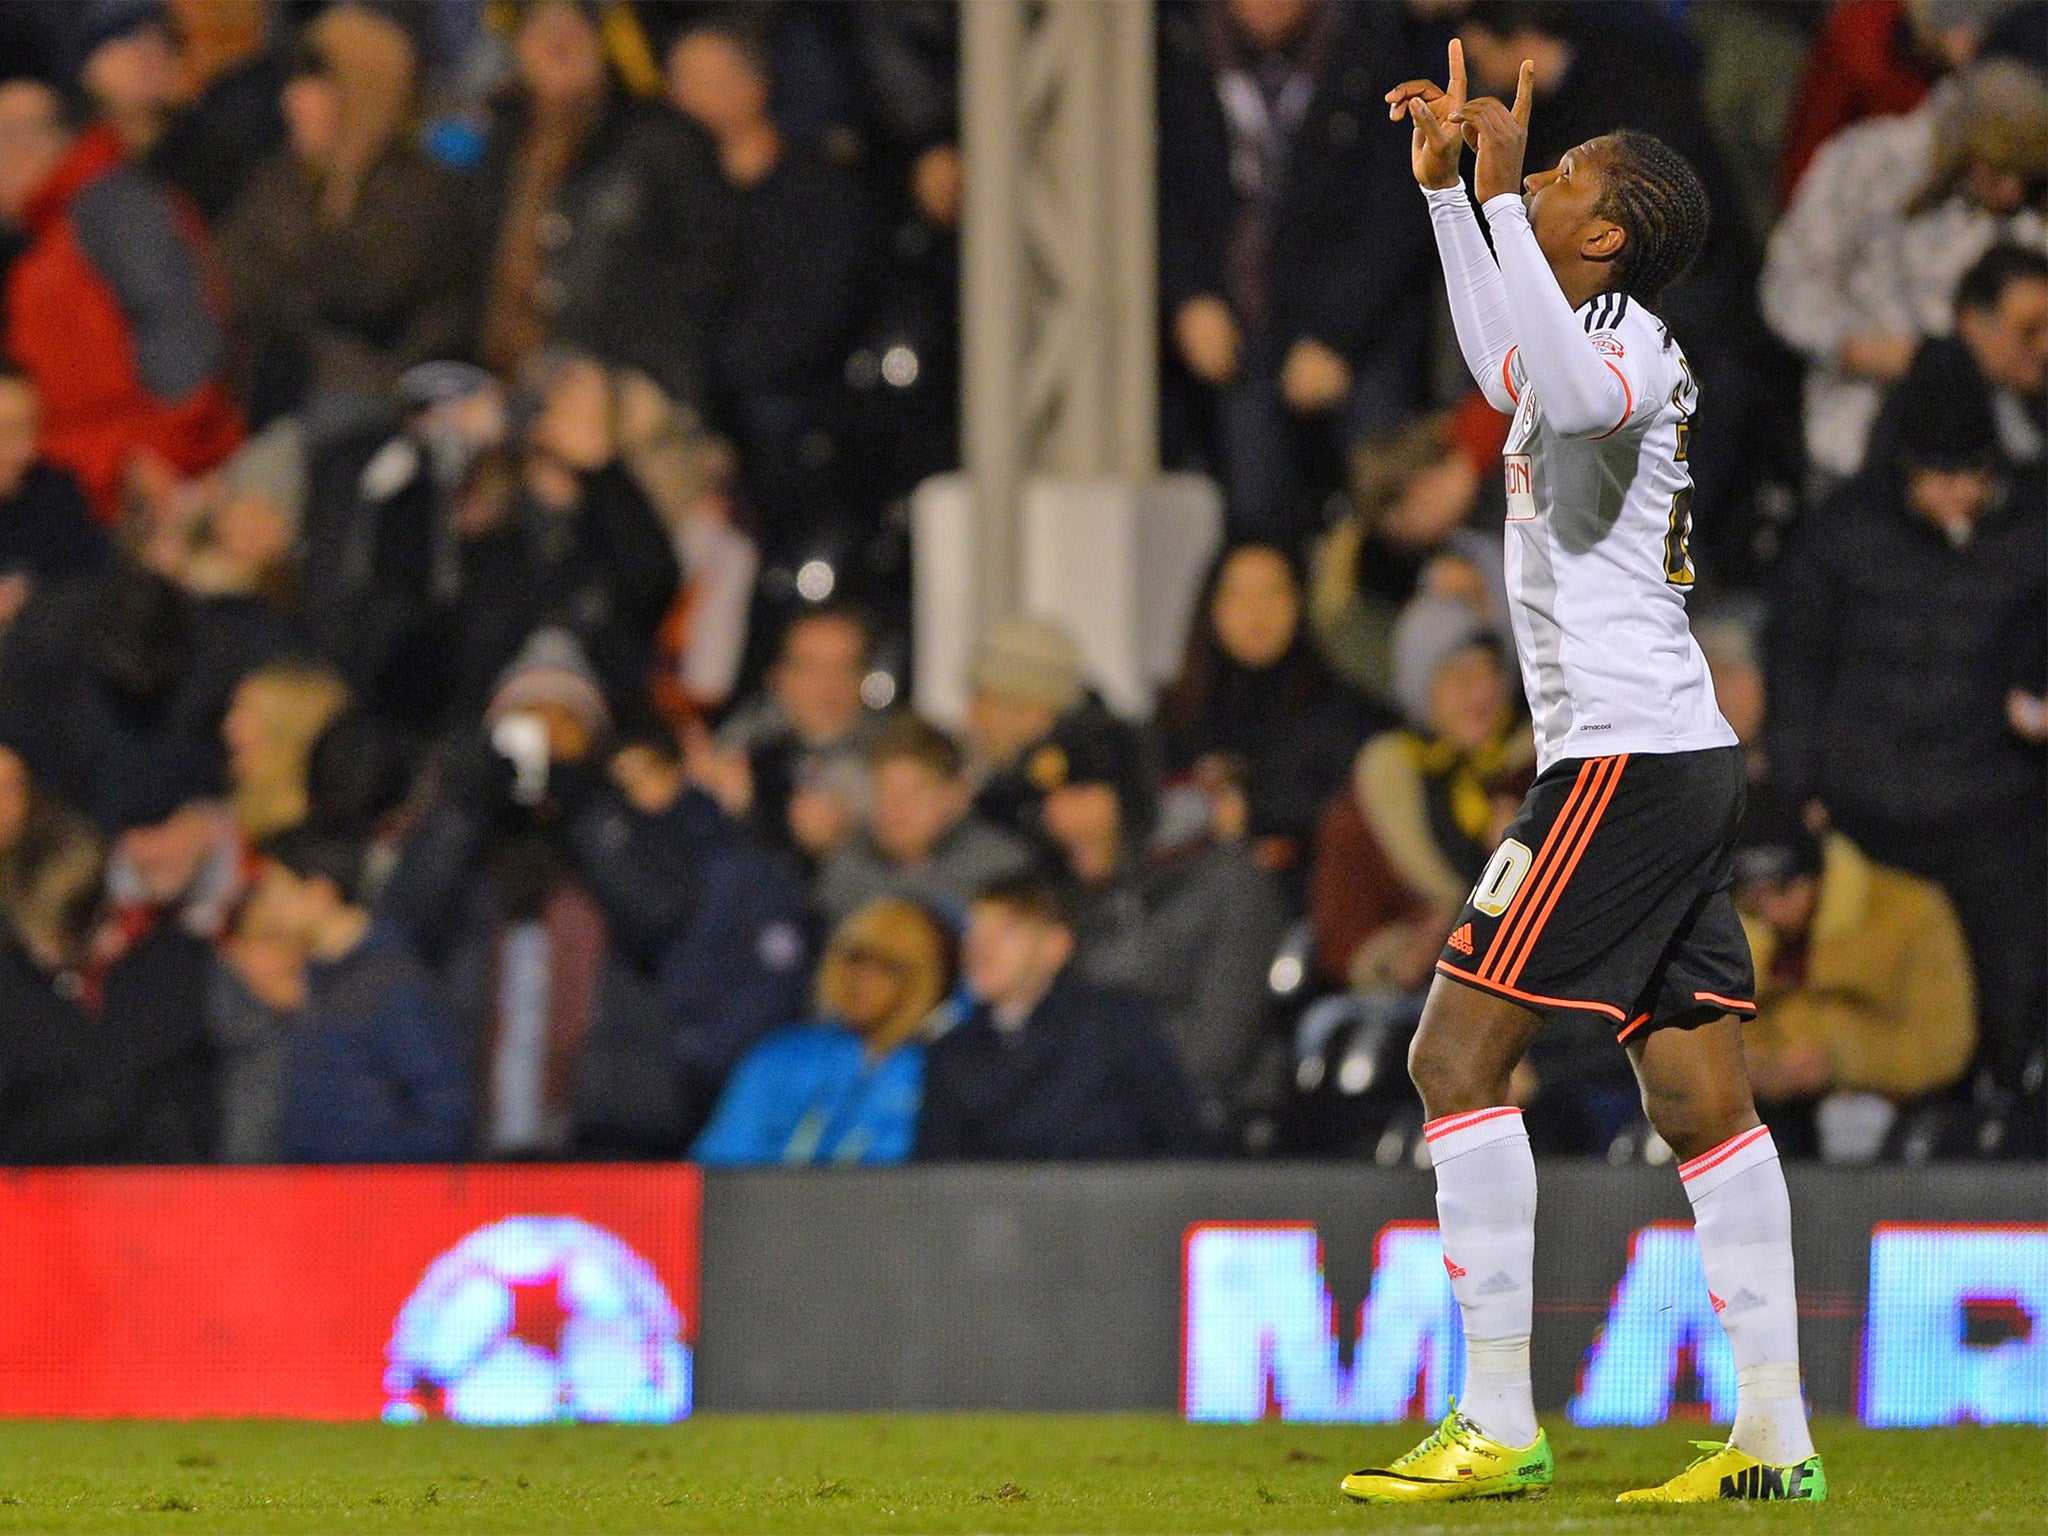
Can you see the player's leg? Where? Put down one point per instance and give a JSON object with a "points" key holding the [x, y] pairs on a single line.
{"points": [[1696, 1092], [1464, 1053], [1491, 1446]]}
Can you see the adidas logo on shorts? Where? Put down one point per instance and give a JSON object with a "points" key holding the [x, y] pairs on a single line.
{"points": [[1461, 940]]}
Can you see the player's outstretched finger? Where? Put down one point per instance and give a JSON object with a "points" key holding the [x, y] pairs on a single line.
{"points": [[1525, 90], [1457, 78]]}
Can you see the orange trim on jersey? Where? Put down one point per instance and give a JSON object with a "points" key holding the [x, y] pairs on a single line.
{"points": [[1634, 1024], [1506, 377], [1558, 852], [1526, 941], [1517, 995], [1716, 1156], [1450, 1123], [1726, 1002], [1628, 395], [1540, 863]]}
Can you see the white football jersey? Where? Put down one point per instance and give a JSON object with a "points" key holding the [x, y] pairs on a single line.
{"points": [[1597, 558]]}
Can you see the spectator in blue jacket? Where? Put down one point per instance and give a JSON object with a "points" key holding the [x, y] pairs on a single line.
{"points": [[1047, 1066], [846, 1088], [376, 1072]]}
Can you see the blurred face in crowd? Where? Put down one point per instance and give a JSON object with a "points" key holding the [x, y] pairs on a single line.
{"points": [[817, 681], [1784, 906], [1009, 957], [312, 115], [1433, 501], [1951, 499], [1086, 820], [21, 422], [32, 141], [1468, 697], [135, 80], [914, 806], [1994, 190], [559, 54], [2010, 339], [253, 532], [290, 910], [13, 797], [1268, 23], [872, 986], [167, 857], [1256, 608], [713, 81], [1001, 725]]}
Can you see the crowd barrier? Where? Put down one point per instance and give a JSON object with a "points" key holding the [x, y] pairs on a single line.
{"points": [[1223, 1291]]}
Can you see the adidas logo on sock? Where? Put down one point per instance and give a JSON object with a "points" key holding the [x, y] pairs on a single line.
{"points": [[1496, 1283], [1456, 1272], [1744, 1300], [1461, 940]]}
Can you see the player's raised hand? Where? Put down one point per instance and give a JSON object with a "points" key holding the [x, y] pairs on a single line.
{"points": [[1436, 145], [1501, 136]]}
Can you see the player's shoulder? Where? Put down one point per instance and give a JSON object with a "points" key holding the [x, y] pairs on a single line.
{"points": [[1629, 334], [1624, 323]]}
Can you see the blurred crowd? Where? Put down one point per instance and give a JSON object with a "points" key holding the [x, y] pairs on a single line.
{"points": [[454, 570]]}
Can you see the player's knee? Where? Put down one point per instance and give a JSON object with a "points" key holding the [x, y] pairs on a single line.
{"points": [[1700, 1116], [1447, 1078]]}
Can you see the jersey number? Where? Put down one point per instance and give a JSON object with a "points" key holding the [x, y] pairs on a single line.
{"points": [[1678, 532], [1503, 877]]}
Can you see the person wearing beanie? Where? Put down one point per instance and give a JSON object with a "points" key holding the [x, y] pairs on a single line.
{"points": [[1864, 987], [1193, 928], [1887, 219], [341, 273], [1909, 609], [1025, 677]]}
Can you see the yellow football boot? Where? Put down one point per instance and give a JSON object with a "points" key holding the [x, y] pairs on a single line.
{"points": [[1457, 1462], [1726, 1473]]}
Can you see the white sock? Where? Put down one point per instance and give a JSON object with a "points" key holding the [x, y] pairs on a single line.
{"points": [[1744, 1221], [1486, 1209]]}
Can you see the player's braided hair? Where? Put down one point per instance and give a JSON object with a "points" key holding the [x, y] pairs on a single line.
{"points": [[1657, 198]]}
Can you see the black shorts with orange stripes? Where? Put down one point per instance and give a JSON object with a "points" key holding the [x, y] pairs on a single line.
{"points": [[1610, 895]]}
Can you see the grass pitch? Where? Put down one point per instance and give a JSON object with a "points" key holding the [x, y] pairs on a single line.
{"points": [[955, 1473]]}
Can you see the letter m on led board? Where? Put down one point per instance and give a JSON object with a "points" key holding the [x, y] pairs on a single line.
{"points": [[1260, 1335], [1958, 1325]]}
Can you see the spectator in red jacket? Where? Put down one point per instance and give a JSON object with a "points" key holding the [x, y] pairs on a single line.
{"points": [[108, 310]]}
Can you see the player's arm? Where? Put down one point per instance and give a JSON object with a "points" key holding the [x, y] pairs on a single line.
{"points": [[1479, 304], [1583, 390]]}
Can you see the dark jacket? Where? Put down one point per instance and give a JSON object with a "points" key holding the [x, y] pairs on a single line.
{"points": [[642, 243], [376, 1073], [1350, 256], [46, 528], [714, 920], [57, 1101], [345, 308], [121, 714], [1891, 653], [604, 570], [1085, 1077], [1194, 933], [1296, 726], [155, 1046], [801, 242]]}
